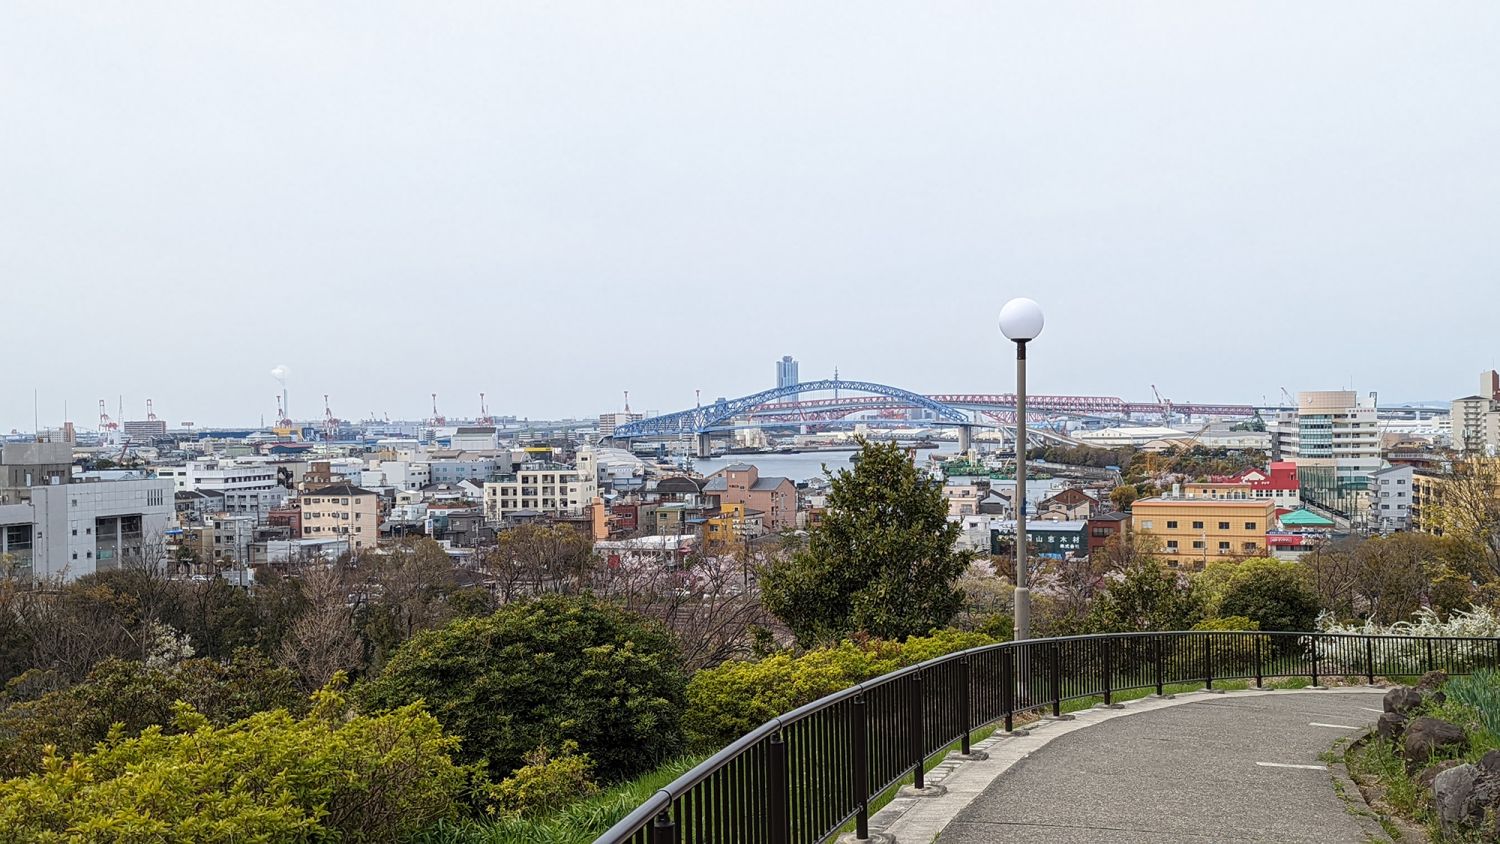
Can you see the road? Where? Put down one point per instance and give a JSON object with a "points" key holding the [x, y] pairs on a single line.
{"points": [[1225, 768]]}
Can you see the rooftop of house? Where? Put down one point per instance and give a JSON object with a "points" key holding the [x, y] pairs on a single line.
{"points": [[338, 491], [1178, 501]]}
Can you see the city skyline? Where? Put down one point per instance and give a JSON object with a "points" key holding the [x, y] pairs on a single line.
{"points": [[1218, 201]]}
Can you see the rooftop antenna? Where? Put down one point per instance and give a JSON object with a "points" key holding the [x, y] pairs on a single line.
{"points": [[627, 401], [150, 412]]}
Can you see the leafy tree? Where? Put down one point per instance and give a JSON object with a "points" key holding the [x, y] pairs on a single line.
{"points": [[1123, 496], [542, 672], [1467, 508], [881, 561], [1274, 594], [1147, 596], [270, 777]]}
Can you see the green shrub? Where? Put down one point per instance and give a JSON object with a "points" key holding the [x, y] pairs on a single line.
{"points": [[731, 699], [134, 696], [542, 672], [269, 777], [546, 783]]}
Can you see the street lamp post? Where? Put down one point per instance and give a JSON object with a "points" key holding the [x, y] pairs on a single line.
{"points": [[1021, 321]]}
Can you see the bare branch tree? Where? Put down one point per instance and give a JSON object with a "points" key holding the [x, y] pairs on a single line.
{"points": [[322, 640]]}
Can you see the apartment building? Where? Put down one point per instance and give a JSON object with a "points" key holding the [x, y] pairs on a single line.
{"points": [[609, 421], [247, 488], [1475, 420], [1390, 501], [774, 497], [342, 511], [544, 487], [1193, 531], [1426, 500], [1333, 437]]}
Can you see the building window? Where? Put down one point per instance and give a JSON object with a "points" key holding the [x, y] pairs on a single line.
{"points": [[1171, 525], [1223, 526], [1197, 526], [1249, 525], [1197, 544], [1223, 546], [1249, 546], [1171, 545], [1146, 525]]}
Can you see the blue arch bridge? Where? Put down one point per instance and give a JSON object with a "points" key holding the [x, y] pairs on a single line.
{"points": [[893, 406]]}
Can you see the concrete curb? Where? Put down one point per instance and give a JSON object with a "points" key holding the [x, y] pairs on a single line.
{"points": [[917, 820], [1367, 816]]}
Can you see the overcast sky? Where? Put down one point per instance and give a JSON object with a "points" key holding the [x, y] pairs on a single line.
{"points": [[555, 202]]}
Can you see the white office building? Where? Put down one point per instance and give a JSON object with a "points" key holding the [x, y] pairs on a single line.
{"points": [[249, 488], [1334, 438], [66, 531]]}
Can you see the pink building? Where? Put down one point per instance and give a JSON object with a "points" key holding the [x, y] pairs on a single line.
{"points": [[741, 483]]}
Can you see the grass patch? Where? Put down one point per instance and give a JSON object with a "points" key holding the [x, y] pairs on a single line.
{"points": [[578, 823], [1380, 770]]}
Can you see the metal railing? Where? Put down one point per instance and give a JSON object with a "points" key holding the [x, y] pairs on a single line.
{"points": [[804, 775]]}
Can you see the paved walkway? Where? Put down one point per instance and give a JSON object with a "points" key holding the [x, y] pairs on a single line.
{"points": [[1234, 767]]}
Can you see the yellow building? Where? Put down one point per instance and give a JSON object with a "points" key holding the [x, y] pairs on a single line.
{"points": [[1193, 531], [1426, 497], [344, 511], [734, 524]]}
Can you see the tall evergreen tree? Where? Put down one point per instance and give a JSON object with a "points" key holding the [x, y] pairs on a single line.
{"points": [[882, 560]]}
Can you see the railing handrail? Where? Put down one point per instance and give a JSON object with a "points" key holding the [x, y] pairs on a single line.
{"points": [[663, 798]]}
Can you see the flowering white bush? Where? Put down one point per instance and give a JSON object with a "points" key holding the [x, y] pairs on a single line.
{"points": [[1424, 641], [1475, 622]]}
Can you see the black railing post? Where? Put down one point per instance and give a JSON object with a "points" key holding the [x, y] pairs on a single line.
{"points": [[1369, 660], [859, 765], [1008, 687], [1109, 671], [778, 809], [1259, 670], [1161, 668], [964, 704], [1056, 667], [1208, 660], [663, 831], [1496, 664], [1428, 640], [916, 744], [1315, 659]]}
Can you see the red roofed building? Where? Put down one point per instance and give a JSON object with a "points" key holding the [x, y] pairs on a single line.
{"points": [[1277, 483]]}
